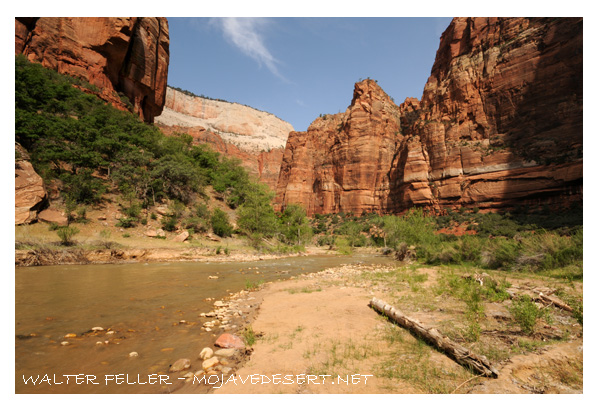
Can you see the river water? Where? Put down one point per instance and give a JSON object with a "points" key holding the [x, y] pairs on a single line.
{"points": [[143, 303]]}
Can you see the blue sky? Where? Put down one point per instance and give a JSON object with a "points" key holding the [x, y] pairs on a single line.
{"points": [[299, 68]]}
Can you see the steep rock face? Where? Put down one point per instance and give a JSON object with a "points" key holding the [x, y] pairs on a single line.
{"points": [[30, 193], [127, 55], [340, 162], [255, 137], [499, 125]]}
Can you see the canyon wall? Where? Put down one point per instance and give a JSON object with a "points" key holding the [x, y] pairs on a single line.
{"points": [[499, 125], [125, 58], [255, 137]]}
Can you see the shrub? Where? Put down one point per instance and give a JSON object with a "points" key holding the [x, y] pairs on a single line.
{"points": [[220, 223], [132, 211], [169, 223], [66, 234], [326, 240], [343, 246], [127, 222], [197, 224], [526, 313], [202, 211]]}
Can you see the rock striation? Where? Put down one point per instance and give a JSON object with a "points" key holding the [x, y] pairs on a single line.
{"points": [[125, 58], [255, 137], [499, 125]]}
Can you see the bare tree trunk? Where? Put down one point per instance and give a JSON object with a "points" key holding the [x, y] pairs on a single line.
{"points": [[460, 354]]}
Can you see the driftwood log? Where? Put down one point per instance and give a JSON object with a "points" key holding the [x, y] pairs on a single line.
{"points": [[461, 355]]}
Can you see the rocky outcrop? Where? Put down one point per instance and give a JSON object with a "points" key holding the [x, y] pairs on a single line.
{"points": [[255, 137], [499, 125], [30, 194], [125, 58], [340, 163]]}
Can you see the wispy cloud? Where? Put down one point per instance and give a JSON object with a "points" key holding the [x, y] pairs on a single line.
{"points": [[247, 35]]}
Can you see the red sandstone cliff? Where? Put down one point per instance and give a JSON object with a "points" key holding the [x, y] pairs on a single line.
{"points": [[499, 125], [127, 55], [30, 194]]}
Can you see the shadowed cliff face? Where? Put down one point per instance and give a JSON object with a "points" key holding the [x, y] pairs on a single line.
{"points": [[127, 55], [499, 125]]}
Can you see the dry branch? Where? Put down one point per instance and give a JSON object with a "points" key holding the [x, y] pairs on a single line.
{"points": [[540, 294], [461, 355]]}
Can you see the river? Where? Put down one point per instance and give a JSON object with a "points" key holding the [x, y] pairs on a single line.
{"points": [[144, 303]]}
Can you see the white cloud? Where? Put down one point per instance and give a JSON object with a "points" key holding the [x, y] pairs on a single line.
{"points": [[246, 34]]}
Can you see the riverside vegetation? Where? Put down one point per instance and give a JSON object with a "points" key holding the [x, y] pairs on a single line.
{"points": [[96, 154]]}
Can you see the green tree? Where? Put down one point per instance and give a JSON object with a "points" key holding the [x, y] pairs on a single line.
{"points": [[256, 215], [294, 225]]}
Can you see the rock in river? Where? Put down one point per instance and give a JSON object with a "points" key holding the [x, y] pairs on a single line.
{"points": [[180, 365], [229, 341], [206, 353]]}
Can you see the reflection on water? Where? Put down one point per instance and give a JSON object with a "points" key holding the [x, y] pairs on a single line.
{"points": [[143, 303]]}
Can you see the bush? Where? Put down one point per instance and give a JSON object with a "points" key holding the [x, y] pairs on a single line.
{"points": [[343, 246], [127, 222], [220, 223], [169, 223], [66, 234], [326, 240], [526, 313], [197, 224]]}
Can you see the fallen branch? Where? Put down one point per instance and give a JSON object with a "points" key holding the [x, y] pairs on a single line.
{"points": [[542, 295], [465, 382], [461, 355]]}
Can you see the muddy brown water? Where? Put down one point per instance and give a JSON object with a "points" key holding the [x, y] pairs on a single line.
{"points": [[144, 304]]}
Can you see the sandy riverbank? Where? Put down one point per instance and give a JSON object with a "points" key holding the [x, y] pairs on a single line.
{"points": [[320, 324]]}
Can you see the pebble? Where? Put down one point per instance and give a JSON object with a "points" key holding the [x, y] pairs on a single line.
{"points": [[133, 354], [225, 352], [99, 343], [180, 365], [188, 375], [206, 353], [97, 329], [70, 335], [65, 343], [212, 277], [109, 332], [209, 363]]}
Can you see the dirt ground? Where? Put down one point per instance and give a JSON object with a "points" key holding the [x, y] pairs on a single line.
{"points": [[317, 334]]}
